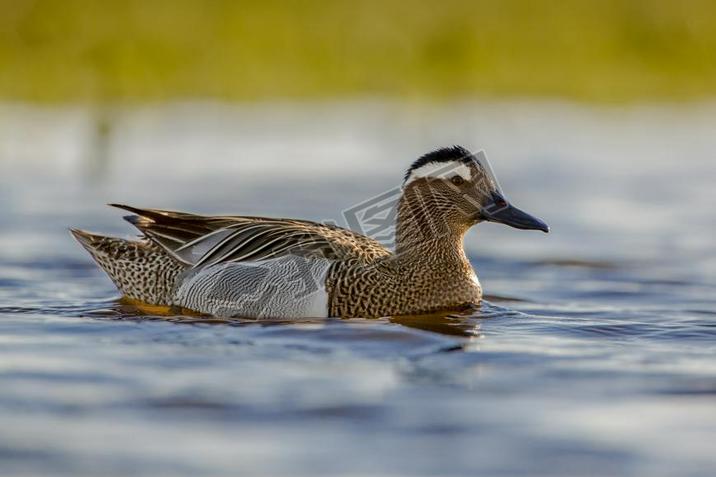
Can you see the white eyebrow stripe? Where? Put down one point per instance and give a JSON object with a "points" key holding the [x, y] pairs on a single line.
{"points": [[443, 170]]}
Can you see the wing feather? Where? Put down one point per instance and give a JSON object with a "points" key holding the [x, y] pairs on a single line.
{"points": [[199, 240], [242, 238]]}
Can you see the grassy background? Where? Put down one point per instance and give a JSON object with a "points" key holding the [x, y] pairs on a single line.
{"points": [[111, 50]]}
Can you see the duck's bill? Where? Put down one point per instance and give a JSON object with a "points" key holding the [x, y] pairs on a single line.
{"points": [[514, 217]]}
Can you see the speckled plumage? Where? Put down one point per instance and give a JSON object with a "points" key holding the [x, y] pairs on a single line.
{"points": [[284, 268], [140, 269]]}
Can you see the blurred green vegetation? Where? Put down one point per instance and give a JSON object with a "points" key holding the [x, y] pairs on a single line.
{"points": [[111, 50]]}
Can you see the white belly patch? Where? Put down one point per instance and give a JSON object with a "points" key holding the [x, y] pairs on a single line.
{"points": [[285, 287]]}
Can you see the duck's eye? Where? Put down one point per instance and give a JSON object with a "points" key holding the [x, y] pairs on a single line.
{"points": [[457, 180]]}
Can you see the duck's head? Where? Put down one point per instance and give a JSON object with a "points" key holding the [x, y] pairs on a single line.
{"points": [[461, 188]]}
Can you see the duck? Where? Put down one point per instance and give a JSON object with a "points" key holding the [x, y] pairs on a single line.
{"points": [[262, 267]]}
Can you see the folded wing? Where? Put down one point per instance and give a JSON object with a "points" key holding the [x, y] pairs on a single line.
{"points": [[199, 241]]}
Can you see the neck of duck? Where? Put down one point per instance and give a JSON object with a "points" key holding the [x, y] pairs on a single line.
{"points": [[428, 235]]}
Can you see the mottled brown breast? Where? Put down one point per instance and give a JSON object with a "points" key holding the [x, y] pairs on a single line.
{"points": [[401, 286]]}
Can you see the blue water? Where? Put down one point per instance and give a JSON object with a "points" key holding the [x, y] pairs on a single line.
{"points": [[594, 355]]}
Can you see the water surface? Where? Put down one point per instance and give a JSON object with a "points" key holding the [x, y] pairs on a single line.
{"points": [[594, 355]]}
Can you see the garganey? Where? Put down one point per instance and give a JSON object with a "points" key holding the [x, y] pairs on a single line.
{"points": [[240, 266]]}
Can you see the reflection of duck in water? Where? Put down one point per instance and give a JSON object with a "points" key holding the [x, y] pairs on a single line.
{"points": [[284, 268]]}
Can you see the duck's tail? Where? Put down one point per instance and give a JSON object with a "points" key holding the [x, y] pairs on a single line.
{"points": [[140, 269]]}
